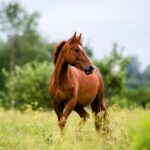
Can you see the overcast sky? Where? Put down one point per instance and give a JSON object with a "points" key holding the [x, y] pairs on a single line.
{"points": [[102, 22]]}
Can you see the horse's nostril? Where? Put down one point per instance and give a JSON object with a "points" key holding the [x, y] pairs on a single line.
{"points": [[91, 68]]}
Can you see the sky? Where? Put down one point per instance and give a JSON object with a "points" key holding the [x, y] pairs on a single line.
{"points": [[101, 22]]}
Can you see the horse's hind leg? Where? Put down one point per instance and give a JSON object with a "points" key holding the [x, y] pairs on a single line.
{"points": [[97, 106], [83, 114]]}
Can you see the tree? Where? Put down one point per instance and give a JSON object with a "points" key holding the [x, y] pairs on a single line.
{"points": [[14, 22], [146, 73], [145, 77], [135, 77], [133, 73], [88, 51], [23, 44], [140, 96], [113, 68], [133, 68]]}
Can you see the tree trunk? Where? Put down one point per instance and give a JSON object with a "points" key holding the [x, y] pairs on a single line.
{"points": [[12, 57]]}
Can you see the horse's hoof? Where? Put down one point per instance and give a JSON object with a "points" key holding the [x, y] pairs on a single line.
{"points": [[61, 131]]}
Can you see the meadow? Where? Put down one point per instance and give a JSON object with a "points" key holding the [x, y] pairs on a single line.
{"points": [[37, 130]]}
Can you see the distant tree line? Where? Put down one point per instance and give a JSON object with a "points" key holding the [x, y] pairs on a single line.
{"points": [[138, 83]]}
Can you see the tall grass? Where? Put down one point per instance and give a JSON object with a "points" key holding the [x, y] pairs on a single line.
{"points": [[130, 129]]}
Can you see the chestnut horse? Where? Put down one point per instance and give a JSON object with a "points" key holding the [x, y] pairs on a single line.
{"points": [[75, 82]]}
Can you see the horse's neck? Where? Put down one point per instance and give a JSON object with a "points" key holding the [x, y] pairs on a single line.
{"points": [[61, 69]]}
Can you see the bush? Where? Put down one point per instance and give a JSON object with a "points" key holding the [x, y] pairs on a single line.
{"points": [[120, 101], [28, 86], [141, 96]]}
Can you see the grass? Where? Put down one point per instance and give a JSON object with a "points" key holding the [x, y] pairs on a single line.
{"points": [[130, 129]]}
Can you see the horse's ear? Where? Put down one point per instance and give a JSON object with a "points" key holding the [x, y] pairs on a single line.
{"points": [[79, 37], [73, 39]]}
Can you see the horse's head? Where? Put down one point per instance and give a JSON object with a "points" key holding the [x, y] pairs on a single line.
{"points": [[75, 55]]}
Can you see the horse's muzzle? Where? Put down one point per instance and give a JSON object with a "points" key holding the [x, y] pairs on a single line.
{"points": [[88, 69]]}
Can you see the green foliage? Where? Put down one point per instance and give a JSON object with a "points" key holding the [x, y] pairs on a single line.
{"points": [[133, 83], [135, 77], [140, 96], [122, 102], [29, 85], [138, 85], [88, 51], [146, 73], [113, 68], [28, 47], [133, 68], [50, 47], [142, 137], [19, 27], [23, 43], [133, 73], [145, 79]]}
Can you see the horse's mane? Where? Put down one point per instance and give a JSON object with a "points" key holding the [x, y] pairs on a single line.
{"points": [[57, 51]]}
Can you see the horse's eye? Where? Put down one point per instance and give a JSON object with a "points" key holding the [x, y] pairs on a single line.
{"points": [[77, 50]]}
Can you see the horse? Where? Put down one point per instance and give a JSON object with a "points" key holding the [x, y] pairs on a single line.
{"points": [[75, 82]]}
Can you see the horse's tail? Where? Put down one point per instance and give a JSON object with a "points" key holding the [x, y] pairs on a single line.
{"points": [[57, 51], [103, 104]]}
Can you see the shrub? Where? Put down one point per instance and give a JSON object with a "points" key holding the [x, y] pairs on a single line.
{"points": [[141, 96], [28, 86], [120, 101]]}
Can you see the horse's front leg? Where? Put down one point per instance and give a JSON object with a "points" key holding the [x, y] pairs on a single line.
{"points": [[67, 110], [58, 107]]}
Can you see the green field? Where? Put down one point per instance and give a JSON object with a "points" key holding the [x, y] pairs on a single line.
{"points": [[130, 129]]}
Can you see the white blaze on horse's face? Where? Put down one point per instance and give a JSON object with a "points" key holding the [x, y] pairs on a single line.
{"points": [[80, 47]]}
